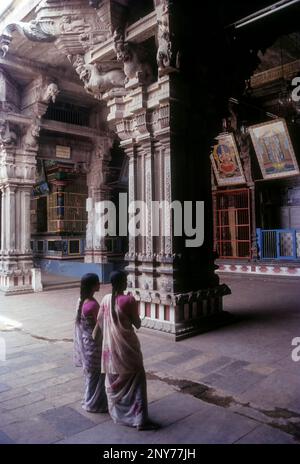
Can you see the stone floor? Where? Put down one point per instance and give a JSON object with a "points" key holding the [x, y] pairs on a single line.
{"points": [[237, 384]]}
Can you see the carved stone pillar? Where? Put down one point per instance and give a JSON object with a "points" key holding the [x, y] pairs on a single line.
{"points": [[147, 257], [161, 270], [132, 254], [20, 120], [2, 224], [17, 176], [99, 191]]}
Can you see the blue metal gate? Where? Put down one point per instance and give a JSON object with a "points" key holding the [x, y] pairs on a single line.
{"points": [[278, 243]]}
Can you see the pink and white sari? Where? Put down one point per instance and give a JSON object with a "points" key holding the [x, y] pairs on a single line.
{"points": [[122, 361]]}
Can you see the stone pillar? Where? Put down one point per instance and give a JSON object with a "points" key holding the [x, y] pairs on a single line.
{"points": [[132, 255], [162, 273], [17, 177], [98, 169], [10, 217], [100, 254], [177, 289], [147, 257], [19, 145], [3, 204]]}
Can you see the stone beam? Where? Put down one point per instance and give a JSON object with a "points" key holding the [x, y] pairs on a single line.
{"points": [[53, 126], [16, 118], [285, 71], [72, 129]]}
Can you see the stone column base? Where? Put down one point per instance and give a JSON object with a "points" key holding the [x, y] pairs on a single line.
{"points": [[16, 282], [92, 256], [183, 315]]}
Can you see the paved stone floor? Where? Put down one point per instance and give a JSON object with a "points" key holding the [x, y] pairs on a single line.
{"points": [[237, 384]]}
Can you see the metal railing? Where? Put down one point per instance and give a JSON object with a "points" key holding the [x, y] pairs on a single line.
{"points": [[280, 244]]}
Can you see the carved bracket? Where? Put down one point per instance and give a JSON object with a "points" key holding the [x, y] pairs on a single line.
{"points": [[37, 96], [35, 30]]}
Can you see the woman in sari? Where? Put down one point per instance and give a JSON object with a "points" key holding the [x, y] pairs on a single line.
{"points": [[87, 350], [122, 359]]}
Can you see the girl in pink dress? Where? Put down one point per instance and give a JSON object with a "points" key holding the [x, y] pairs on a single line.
{"points": [[87, 350]]}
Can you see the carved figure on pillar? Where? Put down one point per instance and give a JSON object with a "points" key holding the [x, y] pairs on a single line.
{"points": [[134, 58], [30, 139], [51, 93], [164, 51], [167, 59], [98, 171], [7, 136], [72, 24], [96, 80]]}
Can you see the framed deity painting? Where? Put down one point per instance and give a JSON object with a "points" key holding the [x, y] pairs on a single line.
{"points": [[226, 161], [274, 149]]}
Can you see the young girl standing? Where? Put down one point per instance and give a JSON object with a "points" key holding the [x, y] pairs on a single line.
{"points": [[87, 350]]}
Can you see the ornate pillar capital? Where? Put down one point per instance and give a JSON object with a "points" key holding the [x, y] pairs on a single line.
{"points": [[8, 145]]}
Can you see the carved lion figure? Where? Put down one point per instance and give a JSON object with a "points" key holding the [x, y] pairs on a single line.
{"points": [[131, 55], [97, 81]]}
